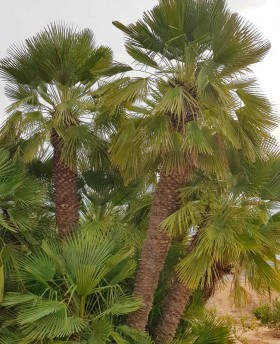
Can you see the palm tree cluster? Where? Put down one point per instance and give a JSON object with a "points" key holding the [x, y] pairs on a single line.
{"points": [[128, 194]]}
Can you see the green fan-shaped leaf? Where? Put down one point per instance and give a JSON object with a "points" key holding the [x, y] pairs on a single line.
{"points": [[125, 305], [101, 330]]}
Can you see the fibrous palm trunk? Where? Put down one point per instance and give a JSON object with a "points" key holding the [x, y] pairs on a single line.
{"points": [[165, 202], [219, 272], [174, 307], [177, 300], [66, 191]]}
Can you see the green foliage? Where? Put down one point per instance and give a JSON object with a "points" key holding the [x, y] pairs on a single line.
{"points": [[263, 313], [22, 205], [209, 330], [197, 107], [1, 280], [233, 227], [204, 327], [239, 326], [50, 78], [71, 289], [199, 100], [269, 315]]}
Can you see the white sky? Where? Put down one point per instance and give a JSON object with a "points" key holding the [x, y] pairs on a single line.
{"points": [[20, 19]]}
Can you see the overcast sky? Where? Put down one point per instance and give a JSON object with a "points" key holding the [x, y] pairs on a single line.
{"points": [[20, 19]]}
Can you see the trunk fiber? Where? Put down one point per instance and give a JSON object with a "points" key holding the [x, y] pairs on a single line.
{"points": [[176, 302], [66, 191], [174, 307], [156, 245], [219, 272]]}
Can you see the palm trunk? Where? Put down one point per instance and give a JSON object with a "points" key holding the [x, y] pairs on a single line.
{"points": [[66, 191], [176, 303], [174, 307], [219, 272], [156, 245]]}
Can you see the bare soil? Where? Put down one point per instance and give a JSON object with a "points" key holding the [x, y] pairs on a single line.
{"points": [[261, 336], [223, 305]]}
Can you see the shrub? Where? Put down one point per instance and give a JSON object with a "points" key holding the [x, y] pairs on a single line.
{"points": [[275, 318], [269, 315], [263, 313], [239, 326]]}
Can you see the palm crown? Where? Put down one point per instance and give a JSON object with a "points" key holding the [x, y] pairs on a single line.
{"points": [[198, 96], [50, 78], [49, 82]]}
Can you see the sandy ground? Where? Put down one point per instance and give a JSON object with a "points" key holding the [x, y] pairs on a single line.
{"points": [[223, 306], [261, 336]]}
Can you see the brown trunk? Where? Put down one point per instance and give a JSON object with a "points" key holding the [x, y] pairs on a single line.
{"points": [[218, 274], [156, 246], [176, 303], [66, 191], [174, 307]]}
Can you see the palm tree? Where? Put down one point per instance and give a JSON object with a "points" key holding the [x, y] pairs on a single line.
{"points": [[233, 220], [49, 80], [197, 101]]}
